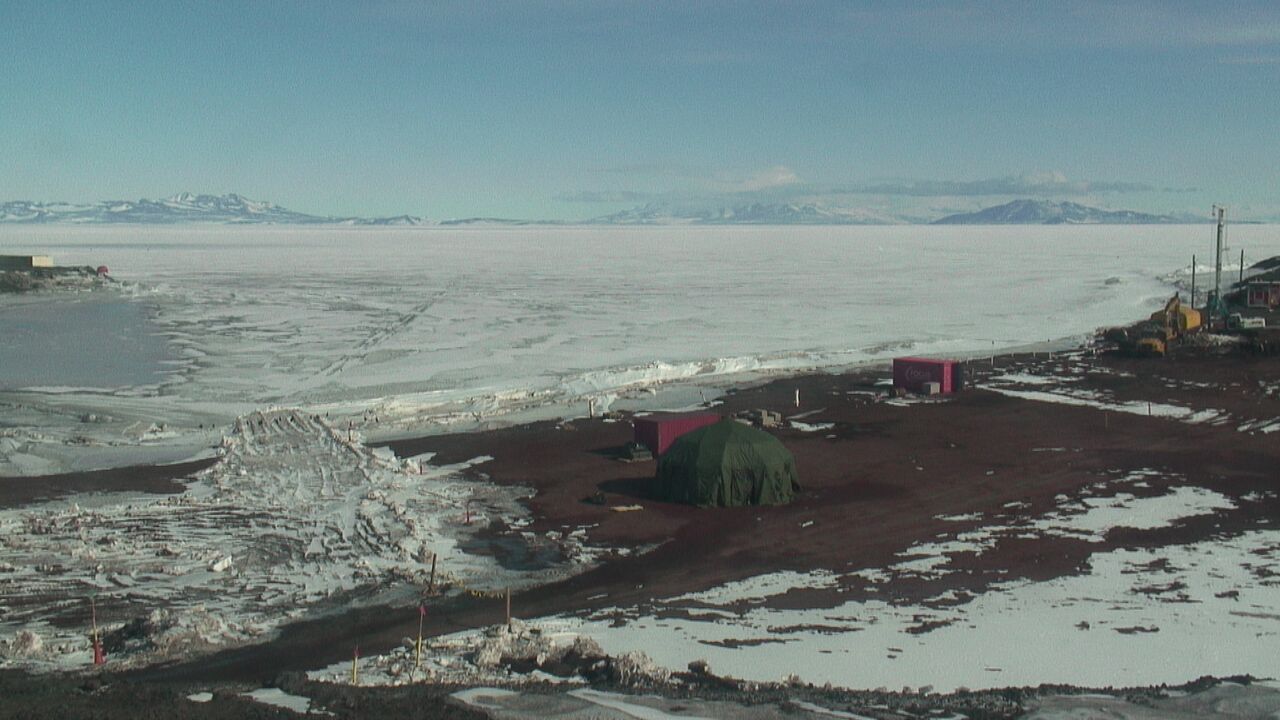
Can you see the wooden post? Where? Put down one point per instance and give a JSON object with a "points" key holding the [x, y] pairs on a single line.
{"points": [[432, 586], [422, 615], [797, 397], [99, 654], [1242, 265], [355, 667], [508, 608]]}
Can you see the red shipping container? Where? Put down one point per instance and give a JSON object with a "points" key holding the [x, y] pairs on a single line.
{"points": [[657, 432], [912, 373]]}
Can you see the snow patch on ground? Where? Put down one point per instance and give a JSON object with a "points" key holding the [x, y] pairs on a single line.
{"points": [[479, 697], [1022, 378], [279, 698], [1092, 518], [295, 516], [1082, 398], [827, 712], [1203, 608], [626, 704], [761, 587], [1208, 607], [811, 427], [960, 518]]}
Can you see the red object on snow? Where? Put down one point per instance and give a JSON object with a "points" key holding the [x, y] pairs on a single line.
{"points": [[657, 432], [102, 270], [912, 373], [99, 654]]}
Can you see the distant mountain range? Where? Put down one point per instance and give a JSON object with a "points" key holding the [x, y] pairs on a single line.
{"points": [[181, 208], [750, 214], [1045, 212], [237, 209]]}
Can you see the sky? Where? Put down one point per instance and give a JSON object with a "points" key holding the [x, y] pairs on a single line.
{"points": [[566, 109]]}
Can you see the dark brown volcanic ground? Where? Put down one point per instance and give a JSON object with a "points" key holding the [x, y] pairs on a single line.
{"points": [[873, 485]]}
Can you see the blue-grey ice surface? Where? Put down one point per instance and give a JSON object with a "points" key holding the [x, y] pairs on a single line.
{"points": [[87, 341]]}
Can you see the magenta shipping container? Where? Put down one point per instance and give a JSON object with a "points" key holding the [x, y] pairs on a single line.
{"points": [[912, 373], [657, 432]]}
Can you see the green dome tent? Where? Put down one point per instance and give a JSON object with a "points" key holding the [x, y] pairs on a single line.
{"points": [[727, 464]]}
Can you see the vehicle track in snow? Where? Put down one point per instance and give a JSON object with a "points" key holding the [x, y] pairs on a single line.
{"points": [[378, 336]]}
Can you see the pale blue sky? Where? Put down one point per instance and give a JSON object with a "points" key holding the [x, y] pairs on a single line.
{"points": [[574, 109]]}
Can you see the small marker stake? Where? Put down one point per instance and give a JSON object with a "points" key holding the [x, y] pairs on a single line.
{"points": [[355, 667], [422, 615], [99, 654], [508, 608]]}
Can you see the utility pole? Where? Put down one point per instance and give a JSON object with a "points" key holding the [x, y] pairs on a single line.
{"points": [[1193, 281], [1217, 272]]}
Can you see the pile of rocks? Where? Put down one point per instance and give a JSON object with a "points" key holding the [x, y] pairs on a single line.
{"points": [[53, 278]]}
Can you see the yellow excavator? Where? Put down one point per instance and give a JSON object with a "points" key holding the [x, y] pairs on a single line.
{"points": [[1155, 335]]}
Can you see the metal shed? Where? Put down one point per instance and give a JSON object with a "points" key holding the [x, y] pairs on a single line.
{"points": [[657, 432], [913, 373]]}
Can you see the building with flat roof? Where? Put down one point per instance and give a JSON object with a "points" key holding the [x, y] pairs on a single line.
{"points": [[25, 262]]}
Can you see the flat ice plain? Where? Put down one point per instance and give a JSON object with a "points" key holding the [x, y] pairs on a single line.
{"points": [[430, 326], [328, 336]]}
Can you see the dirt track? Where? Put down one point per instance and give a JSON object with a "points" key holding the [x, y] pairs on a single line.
{"points": [[16, 492]]}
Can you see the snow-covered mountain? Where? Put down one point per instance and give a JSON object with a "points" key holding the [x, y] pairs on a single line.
{"points": [[1047, 212], [750, 214], [181, 208], [237, 209], [496, 222]]}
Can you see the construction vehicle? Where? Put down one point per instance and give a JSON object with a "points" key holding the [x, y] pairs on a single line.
{"points": [[1154, 335], [1236, 321]]}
